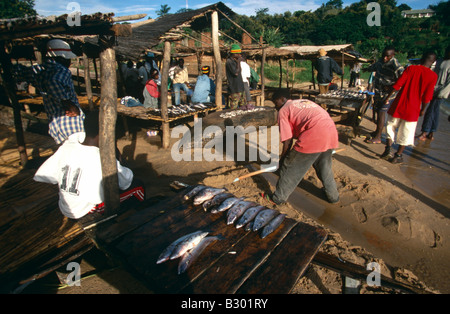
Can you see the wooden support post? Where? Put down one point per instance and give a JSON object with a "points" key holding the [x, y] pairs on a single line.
{"points": [[263, 81], [281, 71], [164, 95], [10, 90], [287, 73], [87, 80], [108, 118], [342, 77], [312, 75], [96, 72], [217, 58]]}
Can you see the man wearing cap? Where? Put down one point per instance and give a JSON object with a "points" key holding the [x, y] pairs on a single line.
{"points": [[325, 67], [53, 79], [150, 64], [205, 89], [234, 78]]}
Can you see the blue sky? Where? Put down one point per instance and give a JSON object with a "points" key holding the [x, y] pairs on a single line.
{"points": [[149, 7]]}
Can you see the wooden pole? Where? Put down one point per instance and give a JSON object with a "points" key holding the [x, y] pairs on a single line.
{"points": [[87, 80], [165, 94], [108, 117], [342, 77], [263, 81], [312, 74], [217, 58], [10, 90]]}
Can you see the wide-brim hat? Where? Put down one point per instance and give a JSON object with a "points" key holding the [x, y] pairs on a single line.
{"points": [[59, 48]]}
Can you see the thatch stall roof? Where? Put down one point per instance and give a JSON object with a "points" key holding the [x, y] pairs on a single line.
{"points": [[169, 27], [307, 52], [20, 28]]}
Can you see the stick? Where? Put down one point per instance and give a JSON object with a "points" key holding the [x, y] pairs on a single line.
{"points": [[273, 168]]}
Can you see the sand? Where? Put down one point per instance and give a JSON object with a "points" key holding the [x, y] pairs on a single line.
{"points": [[382, 215]]}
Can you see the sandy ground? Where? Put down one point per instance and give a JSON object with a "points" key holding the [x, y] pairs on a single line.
{"points": [[382, 216]]}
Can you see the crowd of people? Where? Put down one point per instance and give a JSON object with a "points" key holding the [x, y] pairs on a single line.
{"points": [[307, 132]]}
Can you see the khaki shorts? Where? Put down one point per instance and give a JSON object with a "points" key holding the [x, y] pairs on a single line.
{"points": [[405, 133]]}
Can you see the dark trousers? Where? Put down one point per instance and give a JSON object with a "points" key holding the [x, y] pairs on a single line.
{"points": [[431, 117], [294, 168]]}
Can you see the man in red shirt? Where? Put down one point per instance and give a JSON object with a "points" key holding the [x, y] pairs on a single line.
{"points": [[315, 138], [416, 87]]}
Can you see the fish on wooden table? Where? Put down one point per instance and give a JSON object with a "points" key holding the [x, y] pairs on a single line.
{"points": [[166, 254], [207, 194], [226, 204], [187, 244], [216, 200], [237, 210], [248, 215], [192, 255], [272, 225], [194, 192], [263, 218]]}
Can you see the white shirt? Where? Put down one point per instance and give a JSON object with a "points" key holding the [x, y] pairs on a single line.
{"points": [[77, 170], [245, 71]]}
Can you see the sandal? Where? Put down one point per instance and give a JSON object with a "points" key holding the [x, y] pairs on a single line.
{"points": [[268, 198], [372, 141]]}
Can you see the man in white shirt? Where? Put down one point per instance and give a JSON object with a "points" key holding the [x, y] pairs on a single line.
{"points": [[76, 168], [245, 73]]}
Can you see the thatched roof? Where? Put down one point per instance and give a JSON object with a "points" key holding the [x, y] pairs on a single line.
{"points": [[307, 52], [148, 35], [19, 28]]}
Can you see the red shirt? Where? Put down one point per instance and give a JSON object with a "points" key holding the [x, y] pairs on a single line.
{"points": [[309, 124], [416, 86]]}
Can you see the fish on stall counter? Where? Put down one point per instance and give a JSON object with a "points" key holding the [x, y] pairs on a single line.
{"points": [[248, 215], [181, 244], [263, 218], [194, 192], [237, 210], [228, 203], [192, 255], [216, 200], [207, 194], [272, 225]]}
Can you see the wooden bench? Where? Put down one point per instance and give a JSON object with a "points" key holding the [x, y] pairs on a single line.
{"points": [[241, 262]]}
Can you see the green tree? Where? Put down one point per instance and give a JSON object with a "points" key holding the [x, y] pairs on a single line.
{"points": [[16, 8], [164, 10]]}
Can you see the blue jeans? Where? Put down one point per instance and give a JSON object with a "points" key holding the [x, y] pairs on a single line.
{"points": [[294, 168], [176, 89], [431, 118]]}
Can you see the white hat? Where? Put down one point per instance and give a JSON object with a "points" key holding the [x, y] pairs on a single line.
{"points": [[59, 48]]}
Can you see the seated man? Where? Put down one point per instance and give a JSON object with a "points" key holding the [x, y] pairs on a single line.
{"points": [[205, 89], [76, 168], [69, 126]]}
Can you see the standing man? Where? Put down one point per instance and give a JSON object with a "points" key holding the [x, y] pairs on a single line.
{"points": [[234, 78], [387, 71], [325, 67], [150, 64], [415, 86], [316, 137], [441, 94], [53, 79], [205, 88], [180, 81]]}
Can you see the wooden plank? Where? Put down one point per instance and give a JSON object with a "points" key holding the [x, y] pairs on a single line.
{"points": [[301, 245], [231, 270]]}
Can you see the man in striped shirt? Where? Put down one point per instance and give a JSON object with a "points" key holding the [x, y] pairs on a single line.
{"points": [[53, 79]]}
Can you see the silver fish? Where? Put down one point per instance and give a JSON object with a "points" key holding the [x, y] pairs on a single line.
{"points": [[227, 204], [165, 255], [219, 198], [249, 226], [263, 218], [237, 210], [187, 244], [207, 194], [272, 225], [190, 257], [248, 215], [194, 192]]}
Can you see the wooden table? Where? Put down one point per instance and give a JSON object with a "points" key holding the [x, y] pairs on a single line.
{"points": [[241, 262]]}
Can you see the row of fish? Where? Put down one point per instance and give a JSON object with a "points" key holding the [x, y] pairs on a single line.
{"points": [[345, 94], [239, 112], [188, 247], [183, 109], [242, 213]]}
